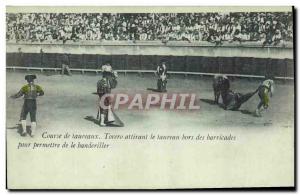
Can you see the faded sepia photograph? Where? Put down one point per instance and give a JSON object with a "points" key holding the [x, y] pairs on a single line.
{"points": [[150, 97]]}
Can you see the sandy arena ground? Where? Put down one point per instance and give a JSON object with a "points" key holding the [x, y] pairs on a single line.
{"points": [[68, 100], [263, 146]]}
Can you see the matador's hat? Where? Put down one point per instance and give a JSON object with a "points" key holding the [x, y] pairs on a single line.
{"points": [[30, 77]]}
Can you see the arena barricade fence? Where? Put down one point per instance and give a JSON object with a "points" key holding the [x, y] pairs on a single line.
{"points": [[14, 68]]}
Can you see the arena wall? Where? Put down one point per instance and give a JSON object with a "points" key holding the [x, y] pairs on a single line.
{"points": [[249, 59]]}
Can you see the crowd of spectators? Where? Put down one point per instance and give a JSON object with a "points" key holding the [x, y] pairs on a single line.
{"points": [[266, 28]]}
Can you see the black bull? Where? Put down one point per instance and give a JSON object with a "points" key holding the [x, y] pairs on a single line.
{"points": [[231, 100]]}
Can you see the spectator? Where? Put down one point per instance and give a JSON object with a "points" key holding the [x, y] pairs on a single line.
{"points": [[266, 28], [65, 65]]}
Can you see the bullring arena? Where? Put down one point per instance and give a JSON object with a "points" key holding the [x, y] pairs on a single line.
{"points": [[68, 100], [69, 105]]}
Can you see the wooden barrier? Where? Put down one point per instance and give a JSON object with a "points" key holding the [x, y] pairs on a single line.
{"points": [[202, 64], [14, 68]]}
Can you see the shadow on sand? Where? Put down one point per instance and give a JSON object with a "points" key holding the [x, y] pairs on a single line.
{"points": [[247, 112], [155, 90], [116, 123], [212, 102], [18, 127]]}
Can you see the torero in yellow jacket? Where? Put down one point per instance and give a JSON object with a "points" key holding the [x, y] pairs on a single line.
{"points": [[265, 92], [30, 92]]}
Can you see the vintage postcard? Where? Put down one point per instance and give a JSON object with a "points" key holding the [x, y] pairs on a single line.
{"points": [[150, 97]]}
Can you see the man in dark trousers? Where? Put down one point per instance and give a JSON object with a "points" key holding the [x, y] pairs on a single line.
{"points": [[162, 74], [104, 87], [65, 65], [30, 91], [220, 83]]}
